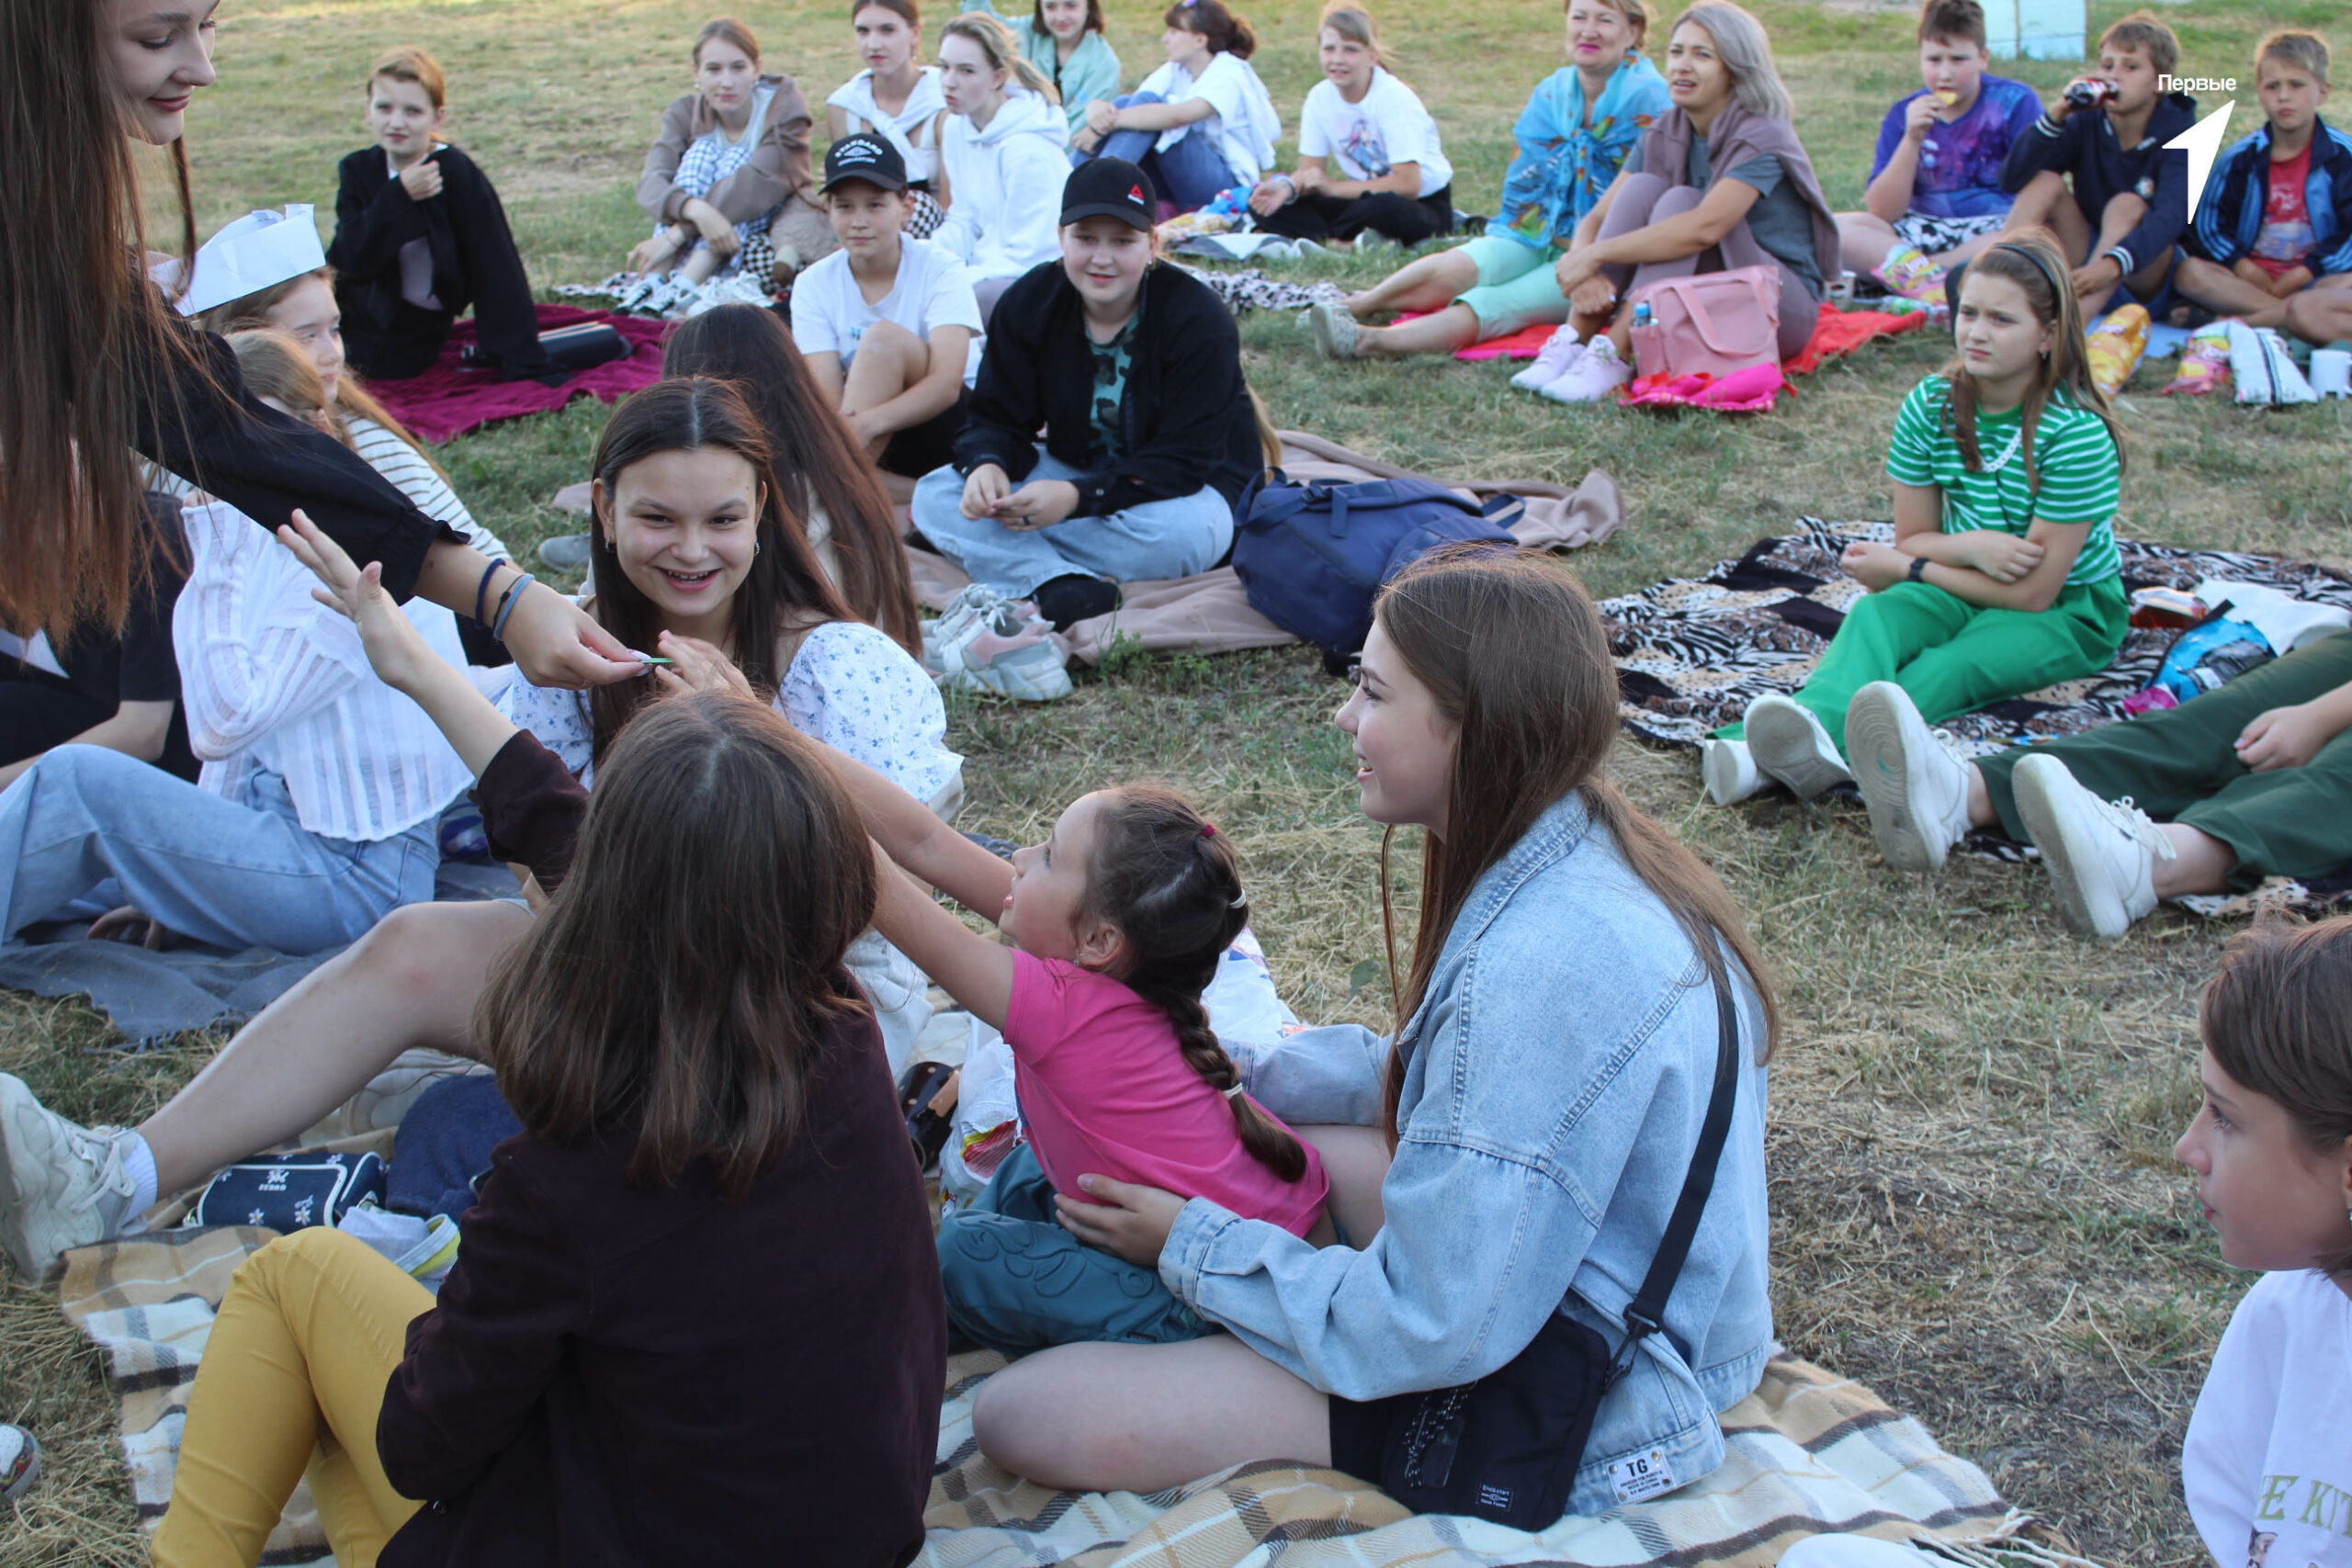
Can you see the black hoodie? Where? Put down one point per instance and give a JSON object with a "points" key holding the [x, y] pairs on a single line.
{"points": [[1185, 415], [2087, 148]]}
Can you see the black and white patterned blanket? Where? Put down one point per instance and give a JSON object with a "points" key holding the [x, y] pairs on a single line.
{"points": [[1692, 653]]}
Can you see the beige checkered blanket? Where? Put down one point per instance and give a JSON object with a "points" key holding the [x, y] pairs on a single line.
{"points": [[1808, 1452]]}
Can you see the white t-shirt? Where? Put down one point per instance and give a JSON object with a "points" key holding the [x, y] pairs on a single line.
{"points": [[2267, 1467], [1244, 125], [1368, 140], [829, 313]]}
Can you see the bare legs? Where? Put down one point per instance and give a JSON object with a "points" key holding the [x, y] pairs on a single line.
{"points": [[410, 982], [2224, 293], [2201, 862], [1144, 1417], [2046, 202], [1430, 284], [1865, 237], [890, 360], [2323, 313]]}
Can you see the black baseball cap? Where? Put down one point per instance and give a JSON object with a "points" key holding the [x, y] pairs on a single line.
{"points": [[1108, 187], [866, 157]]}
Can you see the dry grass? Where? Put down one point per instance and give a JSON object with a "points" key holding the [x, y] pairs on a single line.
{"points": [[1974, 1204]]}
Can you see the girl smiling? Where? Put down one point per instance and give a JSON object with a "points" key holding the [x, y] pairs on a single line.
{"points": [[1392, 177], [1064, 39]]}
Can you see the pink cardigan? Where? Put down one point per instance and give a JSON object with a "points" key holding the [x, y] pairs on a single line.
{"points": [[777, 170]]}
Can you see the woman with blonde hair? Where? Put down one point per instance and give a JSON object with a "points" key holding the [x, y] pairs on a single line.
{"points": [[1392, 177], [1720, 182], [1065, 40], [1578, 127], [1004, 153]]}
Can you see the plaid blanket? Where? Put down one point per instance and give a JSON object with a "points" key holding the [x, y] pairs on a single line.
{"points": [[1808, 1452], [1692, 653]]}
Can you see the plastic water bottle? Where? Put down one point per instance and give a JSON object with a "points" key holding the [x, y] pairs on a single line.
{"points": [[1641, 315]]}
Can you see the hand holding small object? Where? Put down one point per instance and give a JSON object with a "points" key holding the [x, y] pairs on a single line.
{"points": [[1041, 503], [984, 488], [697, 666]]}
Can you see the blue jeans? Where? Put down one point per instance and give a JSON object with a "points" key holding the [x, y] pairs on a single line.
{"points": [[87, 828], [1016, 1281], [1176, 537], [1191, 174]]}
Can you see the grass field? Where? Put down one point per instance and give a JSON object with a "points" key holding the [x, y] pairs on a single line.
{"points": [[1975, 1208]]}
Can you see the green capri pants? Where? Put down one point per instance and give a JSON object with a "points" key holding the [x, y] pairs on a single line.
{"points": [[1519, 286], [2180, 765], [1952, 658]]}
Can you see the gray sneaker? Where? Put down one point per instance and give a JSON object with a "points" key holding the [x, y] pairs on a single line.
{"points": [[60, 1186], [1337, 332], [565, 552]]}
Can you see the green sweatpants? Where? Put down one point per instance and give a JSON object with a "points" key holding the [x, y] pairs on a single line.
{"points": [[2178, 765], [1952, 658]]}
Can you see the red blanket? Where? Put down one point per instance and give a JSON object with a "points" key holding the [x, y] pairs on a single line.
{"points": [[1838, 331], [450, 399]]}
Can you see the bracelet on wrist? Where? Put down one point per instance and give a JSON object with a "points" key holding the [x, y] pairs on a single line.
{"points": [[1919, 573], [513, 597], [481, 590]]}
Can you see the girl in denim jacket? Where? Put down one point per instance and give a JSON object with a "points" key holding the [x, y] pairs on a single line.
{"points": [[1513, 1154]]}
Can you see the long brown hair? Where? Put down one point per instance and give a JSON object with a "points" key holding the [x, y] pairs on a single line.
{"points": [[1226, 33], [2031, 260], [727, 30], [1516, 658], [2277, 1017], [820, 464], [251, 313], [688, 967], [96, 345], [1172, 884], [688, 414]]}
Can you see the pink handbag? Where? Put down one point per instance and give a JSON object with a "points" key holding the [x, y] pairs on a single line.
{"points": [[1717, 321]]}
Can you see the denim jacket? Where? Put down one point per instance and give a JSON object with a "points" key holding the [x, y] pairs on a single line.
{"points": [[1557, 1073]]}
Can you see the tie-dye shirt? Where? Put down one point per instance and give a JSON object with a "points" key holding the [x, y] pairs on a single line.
{"points": [[1960, 164], [1563, 164]]}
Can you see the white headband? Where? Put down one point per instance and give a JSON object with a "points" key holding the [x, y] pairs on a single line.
{"points": [[251, 254]]}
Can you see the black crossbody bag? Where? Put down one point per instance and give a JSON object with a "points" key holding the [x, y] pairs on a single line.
{"points": [[1508, 1447]]}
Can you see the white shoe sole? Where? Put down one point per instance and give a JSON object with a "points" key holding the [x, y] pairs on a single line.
{"points": [[1782, 744], [1881, 740], [1719, 770], [38, 1153], [2062, 854], [1043, 684]]}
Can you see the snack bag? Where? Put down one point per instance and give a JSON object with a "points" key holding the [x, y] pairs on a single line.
{"points": [[2204, 363], [2115, 346]]}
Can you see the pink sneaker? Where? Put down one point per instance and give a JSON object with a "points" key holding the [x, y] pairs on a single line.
{"points": [[1593, 375]]}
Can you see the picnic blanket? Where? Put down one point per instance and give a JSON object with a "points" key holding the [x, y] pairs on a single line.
{"points": [[450, 399], [1693, 652], [1838, 332], [151, 997], [1808, 1452], [1210, 612]]}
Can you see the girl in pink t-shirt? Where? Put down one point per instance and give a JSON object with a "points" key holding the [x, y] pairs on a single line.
{"points": [[1111, 929]]}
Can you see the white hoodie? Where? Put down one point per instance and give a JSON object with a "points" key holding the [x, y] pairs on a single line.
{"points": [[1004, 186]]}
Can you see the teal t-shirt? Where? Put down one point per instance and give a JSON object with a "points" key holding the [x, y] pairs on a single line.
{"points": [[2078, 470], [1111, 364]]}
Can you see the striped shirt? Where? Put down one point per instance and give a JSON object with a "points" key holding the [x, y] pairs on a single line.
{"points": [[416, 479], [2078, 470]]}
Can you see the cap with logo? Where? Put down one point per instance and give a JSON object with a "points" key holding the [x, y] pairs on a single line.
{"points": [[1108, 187], [865, 157]]}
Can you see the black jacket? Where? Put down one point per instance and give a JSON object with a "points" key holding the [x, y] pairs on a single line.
{"points": [[474, 259], [194, 417], [1186, 411], [2088, 149]]}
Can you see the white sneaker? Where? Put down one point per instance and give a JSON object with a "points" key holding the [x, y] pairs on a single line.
{"points": [[1336, 330], [1917, 791], [970, 606], [1562, 349], [1003, 647], [60, 1186], [1591, 376], [2102, 854], [1729, 769], [1794, 747]]}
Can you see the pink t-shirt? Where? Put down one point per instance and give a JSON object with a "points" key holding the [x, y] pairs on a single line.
{"points": [[1105, 1092]]}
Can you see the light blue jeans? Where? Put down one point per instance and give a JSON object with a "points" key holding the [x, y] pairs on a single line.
{"points": [[87, 828], [1176, 537], [1191, 174]]}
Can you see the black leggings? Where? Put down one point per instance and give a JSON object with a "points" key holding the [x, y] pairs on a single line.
{"points": [[1406, 219]]}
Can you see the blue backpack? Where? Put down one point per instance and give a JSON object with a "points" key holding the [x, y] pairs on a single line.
{"points": [[1312, 556]]}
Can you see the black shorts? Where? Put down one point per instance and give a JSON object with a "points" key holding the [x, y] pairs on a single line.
{"points": [[918, 449]]}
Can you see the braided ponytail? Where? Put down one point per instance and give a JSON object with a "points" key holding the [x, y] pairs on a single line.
{"points": [[1172, 884]]}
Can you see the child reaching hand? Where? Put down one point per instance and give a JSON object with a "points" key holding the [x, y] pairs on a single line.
{"points": [[1111, 929]]}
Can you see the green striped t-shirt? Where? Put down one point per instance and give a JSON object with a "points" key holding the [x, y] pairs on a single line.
{"points": [[2073, 457]]}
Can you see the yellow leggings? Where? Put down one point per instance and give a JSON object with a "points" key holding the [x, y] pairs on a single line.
{"points": [[291, 1384]]}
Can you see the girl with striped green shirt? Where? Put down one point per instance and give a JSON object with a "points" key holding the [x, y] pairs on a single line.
{"points": [[2003, 577]]}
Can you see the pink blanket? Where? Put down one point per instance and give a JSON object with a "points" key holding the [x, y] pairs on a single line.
{"points": [[1838, 331], [449, 400]]}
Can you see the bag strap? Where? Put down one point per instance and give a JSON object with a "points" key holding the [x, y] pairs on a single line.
{"points": [[1646, 1314], [1701, 321]]}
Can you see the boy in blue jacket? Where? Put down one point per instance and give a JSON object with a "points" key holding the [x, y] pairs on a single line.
{"points": [[2106, 133], [2272, 240]]}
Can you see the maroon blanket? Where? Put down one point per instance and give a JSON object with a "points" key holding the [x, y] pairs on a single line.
{"points": [[449, 400]]}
